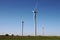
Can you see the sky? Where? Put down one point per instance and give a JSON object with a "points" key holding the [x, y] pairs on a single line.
{"points": [[48, 16]]}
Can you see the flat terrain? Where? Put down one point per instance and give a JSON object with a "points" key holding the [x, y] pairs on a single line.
{"points": [[29, 38]]}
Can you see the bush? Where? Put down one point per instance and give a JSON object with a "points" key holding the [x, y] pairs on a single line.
{"points": [[6, 34], [12, 35]]}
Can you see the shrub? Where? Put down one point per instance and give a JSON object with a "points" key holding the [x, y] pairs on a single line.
{"points": [[6, 34]]}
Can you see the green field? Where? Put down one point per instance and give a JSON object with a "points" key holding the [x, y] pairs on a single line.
{"points": [[29, 38]]}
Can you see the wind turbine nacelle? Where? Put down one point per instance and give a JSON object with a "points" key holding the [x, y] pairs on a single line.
{"points": [[34, 11], [22, 21]]}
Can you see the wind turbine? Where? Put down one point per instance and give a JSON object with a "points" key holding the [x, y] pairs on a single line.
{"points": [[34, 13], [22, 25]]}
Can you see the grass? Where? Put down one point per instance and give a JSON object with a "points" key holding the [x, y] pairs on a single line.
{"points": [[29, 38]]}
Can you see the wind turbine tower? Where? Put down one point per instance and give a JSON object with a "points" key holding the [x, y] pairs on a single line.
{"points": [[43, 31], [34, 13], [35, 29], [22, 26]]}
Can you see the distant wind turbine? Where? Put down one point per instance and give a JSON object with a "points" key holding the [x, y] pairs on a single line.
{"points": [[22, 25], [34, 12]]}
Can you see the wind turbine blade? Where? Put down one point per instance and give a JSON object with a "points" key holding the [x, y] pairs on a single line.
{"points": [[36, 5]]}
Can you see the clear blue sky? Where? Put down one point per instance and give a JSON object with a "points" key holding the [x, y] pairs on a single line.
{"points": [[48, 16]]}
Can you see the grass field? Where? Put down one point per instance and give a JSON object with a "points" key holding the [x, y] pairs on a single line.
{"points": [[29, 38]]}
